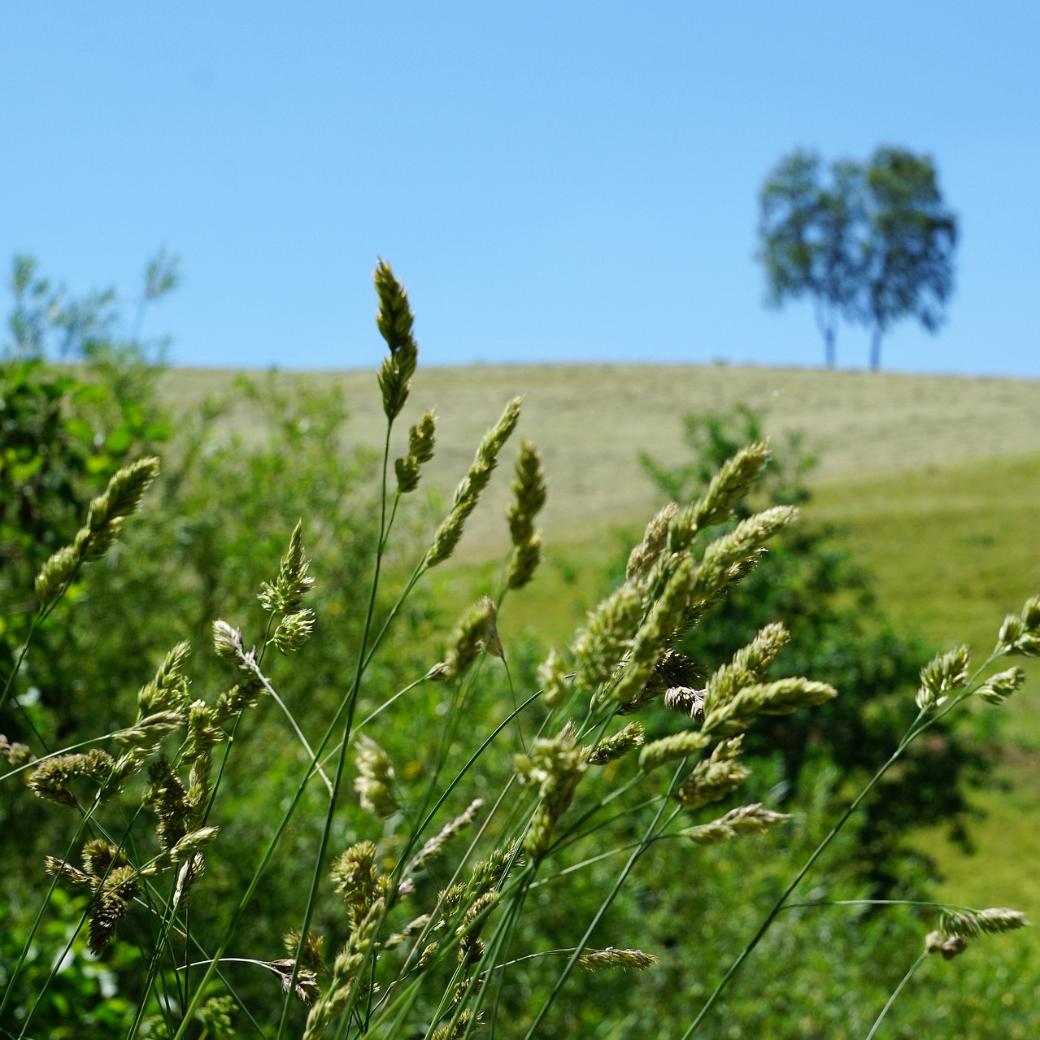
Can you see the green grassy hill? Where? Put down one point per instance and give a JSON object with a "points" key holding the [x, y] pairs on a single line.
{"points": [[591, 421], [936, 481]]}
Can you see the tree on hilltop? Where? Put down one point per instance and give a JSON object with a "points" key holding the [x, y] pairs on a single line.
{"points": [[868, 243]]}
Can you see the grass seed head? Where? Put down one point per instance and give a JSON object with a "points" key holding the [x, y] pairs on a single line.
{"points": [[15, 753], [354, 878], [345, 970], [167, 798], [556, 766], [747, 819], [56, 572], [781, 697], [607, 636], [395, 321], [467, 494], [105, 516], [285, 594], [65, 872], [734, 480], [943, 675], [375, 780], [52, 777], [435, 845], [727, 559], [969, 924], [185, 849], [529, 497], [997, 688], [457, 1029], [168, 691], [714, 778], [613, 747], [524, 562], [294, 630], [612, 957], [643, 557], [651, 640], [1020, 633], [747, 666], [474, 632], [552, 675], [110, 905], [227, 641], [668, 749], [147, 732], [421, 441]]}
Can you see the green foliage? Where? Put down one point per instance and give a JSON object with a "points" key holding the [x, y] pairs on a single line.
{"points": [[63, 433], [870, 242]]}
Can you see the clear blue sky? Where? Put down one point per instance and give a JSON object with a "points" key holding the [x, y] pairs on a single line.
{"points": [[565, 181]]}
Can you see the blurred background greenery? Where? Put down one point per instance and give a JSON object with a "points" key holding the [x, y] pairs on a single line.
{"points": [[919, 496]]}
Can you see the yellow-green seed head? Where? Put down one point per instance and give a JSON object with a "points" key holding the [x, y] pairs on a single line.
{"points": [[747, 819], [552, 675], [654, 635], [729, 486], [997, 688], [607, 636], [613, 747], [294, 630], [714, 778], [395, 321], [673, 747], [375, 780], [474, 632], [943, 675], [285, 594], [473, 483]]}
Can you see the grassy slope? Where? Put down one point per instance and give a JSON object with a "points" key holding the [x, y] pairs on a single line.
{"points": [[935, 479], [591, 422]]}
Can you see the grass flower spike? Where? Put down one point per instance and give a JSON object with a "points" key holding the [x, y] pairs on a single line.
{"points": [[421, 441], [467, 494], [395, 320], [107, 512]]}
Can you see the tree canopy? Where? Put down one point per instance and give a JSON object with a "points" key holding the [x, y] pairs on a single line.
{"points": [[869, 243]]}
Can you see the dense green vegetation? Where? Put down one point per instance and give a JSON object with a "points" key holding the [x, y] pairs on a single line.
{"points": [[238, 474]]}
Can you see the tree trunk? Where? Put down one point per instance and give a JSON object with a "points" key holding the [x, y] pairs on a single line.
{"points": [[828, 339], [875, 349]]}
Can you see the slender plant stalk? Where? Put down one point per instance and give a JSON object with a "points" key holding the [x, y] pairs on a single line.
{"points": [[895, 993], [319, 859], [603, 908]]}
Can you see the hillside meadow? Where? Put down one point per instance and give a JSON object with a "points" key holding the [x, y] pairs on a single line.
{"points": [[933, 481], [591, 421]]}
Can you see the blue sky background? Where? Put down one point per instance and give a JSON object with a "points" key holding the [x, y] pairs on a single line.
{"points": [[553, 182]]}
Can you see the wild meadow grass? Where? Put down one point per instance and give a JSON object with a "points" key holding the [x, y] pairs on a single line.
{"points": [[588, 778]]}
